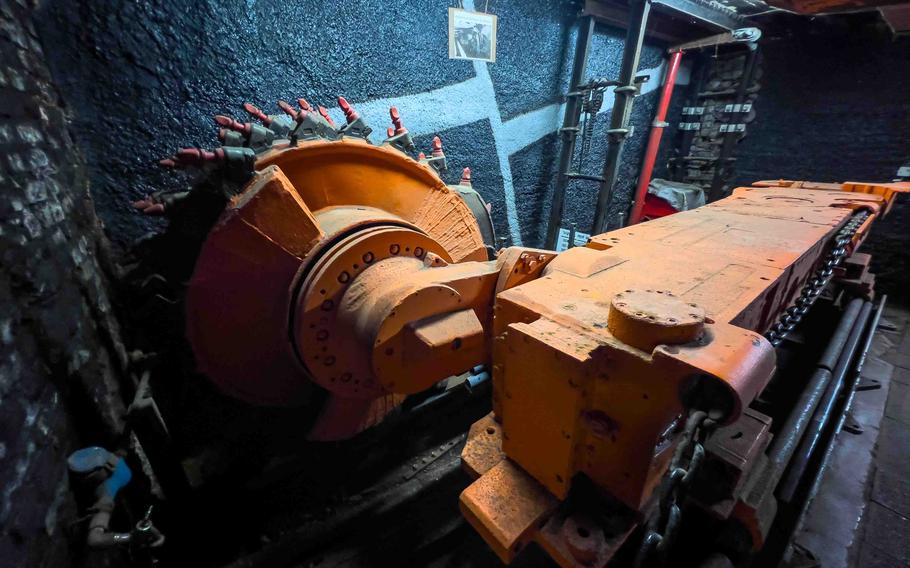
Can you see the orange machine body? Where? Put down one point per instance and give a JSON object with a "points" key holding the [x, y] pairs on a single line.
{"points": [[593, 362], [269, 303], [351, 275]]}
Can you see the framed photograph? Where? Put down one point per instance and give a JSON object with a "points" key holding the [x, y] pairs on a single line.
{"points": [[472, 35]]}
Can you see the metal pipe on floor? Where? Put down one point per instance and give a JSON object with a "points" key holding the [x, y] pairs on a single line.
{"points": [[619, 117], [848, 404], [861, 361], [824, 413], [657, 130], [569, 130], [788, 438]]}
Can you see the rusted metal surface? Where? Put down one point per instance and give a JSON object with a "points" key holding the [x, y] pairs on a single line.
{"points": [[483, 448], [756, 507], [731, 454], [519, 265], [505, 507], [645, 319], [579, 539], [856, 277]]}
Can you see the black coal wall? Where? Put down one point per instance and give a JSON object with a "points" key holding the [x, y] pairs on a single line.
{"points": [[835, 106], [145, 78], [61, 359]]}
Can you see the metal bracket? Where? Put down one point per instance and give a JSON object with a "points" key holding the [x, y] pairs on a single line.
{"points": [[712, 14], [852, 426], [732, 127], [735, 108], [741, 35], [574, 175], [689, 126], [700, 110]]}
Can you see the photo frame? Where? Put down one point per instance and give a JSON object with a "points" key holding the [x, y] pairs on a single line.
{"points": [[472, 35]]}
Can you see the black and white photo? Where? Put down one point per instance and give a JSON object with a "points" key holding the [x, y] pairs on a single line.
{"points": [[472, 35]]}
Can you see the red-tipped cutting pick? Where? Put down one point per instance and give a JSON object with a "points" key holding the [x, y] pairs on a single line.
{"points": [[325, 115], [143, 203], [197, 156], [155, 210], [349, 113], [396, 120], [437, 146], [304, 105], [421, 156], [390, 131], [288, 110], [466, 177], [231, 124], [192, 157], [257, 114], [149, 206]]}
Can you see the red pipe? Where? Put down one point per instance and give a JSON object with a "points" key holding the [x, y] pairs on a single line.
{"points": [[657, 130]]}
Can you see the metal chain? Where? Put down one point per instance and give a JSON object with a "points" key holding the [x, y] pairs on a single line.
{"points": [[791, 317], [684, 466], [689, 454]]}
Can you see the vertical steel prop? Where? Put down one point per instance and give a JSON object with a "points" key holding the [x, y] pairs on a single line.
{"points": [[569, 130], [622, 108], [657, 130]]}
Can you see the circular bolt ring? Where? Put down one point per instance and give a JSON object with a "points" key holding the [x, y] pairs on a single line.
{"points": [[322, 277]]}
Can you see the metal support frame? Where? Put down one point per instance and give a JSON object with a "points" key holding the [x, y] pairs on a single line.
{"points": [[702, 67], [657, 129], [569, 130], [622, 108], [721, 166], [703, 12]]}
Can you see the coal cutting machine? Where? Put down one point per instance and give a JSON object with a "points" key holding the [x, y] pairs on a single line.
{"points": [[624, 372]]}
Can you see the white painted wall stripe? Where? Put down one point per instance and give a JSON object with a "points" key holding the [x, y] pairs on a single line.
{"points": [[455, 105]]}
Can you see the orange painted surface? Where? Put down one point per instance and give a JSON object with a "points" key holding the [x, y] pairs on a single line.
{"points": [[592, 362], [264, 301]]}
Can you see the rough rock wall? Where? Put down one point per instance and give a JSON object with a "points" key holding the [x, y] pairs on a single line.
{"points": [[59, 352], [834, 107], [145, 78]]}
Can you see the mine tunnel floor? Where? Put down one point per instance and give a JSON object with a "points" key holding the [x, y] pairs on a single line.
{"points": [[861, 515]]}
